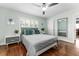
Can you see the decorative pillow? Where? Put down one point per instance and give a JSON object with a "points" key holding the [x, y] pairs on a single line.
{"points": [[26, 31], [29, 31], [33, 31], [37, 31]]}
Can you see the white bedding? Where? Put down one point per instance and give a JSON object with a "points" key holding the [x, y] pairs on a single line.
{"points": [[30, 41], [37, 38]]}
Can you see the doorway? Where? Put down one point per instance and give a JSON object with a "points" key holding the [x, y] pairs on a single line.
{"points": [[77, 27], [77, 33]]}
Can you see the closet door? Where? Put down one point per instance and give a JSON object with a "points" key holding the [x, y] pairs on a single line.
{"points": [[63, 27], [50, 27]]}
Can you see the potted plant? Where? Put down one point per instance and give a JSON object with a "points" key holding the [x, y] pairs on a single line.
{"points": [[16, 31], [43, 30]]}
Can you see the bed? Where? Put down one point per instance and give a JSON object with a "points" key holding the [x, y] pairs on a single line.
{"points": [[36, 44]]}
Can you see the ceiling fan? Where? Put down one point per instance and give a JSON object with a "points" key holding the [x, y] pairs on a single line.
{"points": [[44, 6]]}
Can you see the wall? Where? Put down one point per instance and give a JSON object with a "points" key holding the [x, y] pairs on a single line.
{"points": [[71, 15], [8, 29]]}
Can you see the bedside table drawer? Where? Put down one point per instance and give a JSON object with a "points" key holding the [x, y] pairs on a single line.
{"points": [[12, 39]]}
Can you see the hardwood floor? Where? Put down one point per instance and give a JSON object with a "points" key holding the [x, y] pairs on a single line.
{"points": [[13, 50], [64, 49]]}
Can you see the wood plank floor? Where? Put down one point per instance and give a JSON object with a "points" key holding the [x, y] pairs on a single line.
{"points": [[64, 49]]}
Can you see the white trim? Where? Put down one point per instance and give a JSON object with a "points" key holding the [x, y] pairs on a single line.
{"points": [[66, 39]]}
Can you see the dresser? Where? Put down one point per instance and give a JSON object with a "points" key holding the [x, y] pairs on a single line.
{"points": [[10, 39]]}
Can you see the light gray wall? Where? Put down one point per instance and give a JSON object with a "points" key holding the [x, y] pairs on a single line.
{"points": [[71, 15], [7, 29]]}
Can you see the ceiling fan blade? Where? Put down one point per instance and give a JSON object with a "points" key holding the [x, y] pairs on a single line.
{"points": [[43, 12], [36, 5], [43, 3], [52, 4]]}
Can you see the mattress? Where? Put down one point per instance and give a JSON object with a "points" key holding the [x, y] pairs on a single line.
{"points": [[39, 41]]}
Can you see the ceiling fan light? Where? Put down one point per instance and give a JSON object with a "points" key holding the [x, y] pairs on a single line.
{"points": [[44, 8]]}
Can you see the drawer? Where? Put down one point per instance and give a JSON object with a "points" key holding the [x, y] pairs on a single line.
{"points": [[12, 39], [62, 34]]}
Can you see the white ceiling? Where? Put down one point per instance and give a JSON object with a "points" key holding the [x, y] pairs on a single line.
{"points": [[37, 11]]}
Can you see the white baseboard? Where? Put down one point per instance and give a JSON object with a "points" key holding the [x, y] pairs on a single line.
{"points": [[66, 39], [2, 44]]}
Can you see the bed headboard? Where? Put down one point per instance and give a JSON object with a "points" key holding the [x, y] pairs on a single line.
{"points": [[29, 31]]}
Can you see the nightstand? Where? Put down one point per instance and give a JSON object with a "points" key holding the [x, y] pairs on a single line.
{"points": [[12, 39]]}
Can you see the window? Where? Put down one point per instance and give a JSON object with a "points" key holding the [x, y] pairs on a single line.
{"points": [[34, 23], [62, 27], [27, 23]]}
